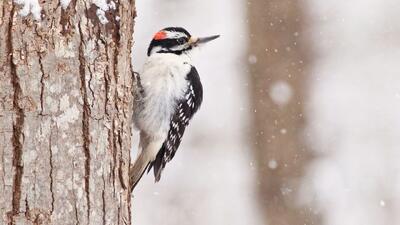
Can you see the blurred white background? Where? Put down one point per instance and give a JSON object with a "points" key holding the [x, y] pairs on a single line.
{"points": [[211, 178], [355, 111], [352, 106]]}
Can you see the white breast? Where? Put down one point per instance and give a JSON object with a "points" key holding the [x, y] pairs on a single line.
{"points": [[164, 80]]}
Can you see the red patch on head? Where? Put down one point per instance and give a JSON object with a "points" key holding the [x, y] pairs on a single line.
{"points": [[160, 35]]}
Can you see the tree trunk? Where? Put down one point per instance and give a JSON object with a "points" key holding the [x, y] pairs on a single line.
{"points": [[65, 113], [278, 62]]}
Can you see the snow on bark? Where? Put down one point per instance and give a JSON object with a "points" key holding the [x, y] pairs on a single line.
{"points": [[29, 6], [64, 3]]}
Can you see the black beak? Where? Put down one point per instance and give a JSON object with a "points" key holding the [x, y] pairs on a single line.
{"points": [[196, 41], [203, 40]]}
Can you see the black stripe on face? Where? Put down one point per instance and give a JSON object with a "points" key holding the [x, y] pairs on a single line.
{"points": [[168, 45]]}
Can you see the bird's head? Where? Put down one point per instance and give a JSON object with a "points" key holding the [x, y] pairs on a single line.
{"points": [[175, 40]]}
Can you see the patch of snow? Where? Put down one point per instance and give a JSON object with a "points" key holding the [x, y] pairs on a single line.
{"points": [[102, 4], [103, 7], [112, 5], [64, 3], [30, 6], [102, 16]]}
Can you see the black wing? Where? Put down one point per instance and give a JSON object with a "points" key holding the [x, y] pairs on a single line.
{"points": [[186, 108]]}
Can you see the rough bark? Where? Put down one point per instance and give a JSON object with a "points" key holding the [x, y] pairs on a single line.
{"points": [[65, 114], [279, 58]]}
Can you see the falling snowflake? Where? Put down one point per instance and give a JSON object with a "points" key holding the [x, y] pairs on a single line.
{"points": [[280, 93]]}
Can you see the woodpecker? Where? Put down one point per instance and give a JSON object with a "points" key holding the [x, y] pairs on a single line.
{"points": [[170, 94]]}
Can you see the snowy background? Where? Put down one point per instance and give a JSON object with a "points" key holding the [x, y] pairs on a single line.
{"points": [[354, 111], [210, 180]]}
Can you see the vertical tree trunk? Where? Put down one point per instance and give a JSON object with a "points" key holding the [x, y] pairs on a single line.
{"points": [[65, 113], [278, 62]]}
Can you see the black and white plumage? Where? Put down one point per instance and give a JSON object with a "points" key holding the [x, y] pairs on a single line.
{"points": [[186, 108], [171, 94]]}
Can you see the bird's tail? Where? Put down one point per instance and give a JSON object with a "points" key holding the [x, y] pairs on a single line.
{"points": [[137, 170]]}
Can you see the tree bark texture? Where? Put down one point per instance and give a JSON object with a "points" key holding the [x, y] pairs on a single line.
{"points": [[278, 69], [65, 114]]}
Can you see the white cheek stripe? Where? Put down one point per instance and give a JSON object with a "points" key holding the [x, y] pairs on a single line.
{"points": [[171, 34], [179, 47]]}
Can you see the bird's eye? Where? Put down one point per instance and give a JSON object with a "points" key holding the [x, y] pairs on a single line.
{"points": [[181, 40]]}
